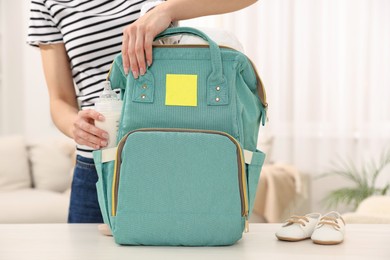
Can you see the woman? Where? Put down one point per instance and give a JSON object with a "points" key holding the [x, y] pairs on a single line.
{"points": [[78, 40]]}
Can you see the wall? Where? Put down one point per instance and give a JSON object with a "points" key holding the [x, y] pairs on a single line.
{"points": [[37, 120], [24, 99], [12, 105]]}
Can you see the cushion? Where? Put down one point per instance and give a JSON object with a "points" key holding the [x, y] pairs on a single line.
{"points": [[361, 218], [51, 163], [14, 171], [375, 205], [372, 210]]}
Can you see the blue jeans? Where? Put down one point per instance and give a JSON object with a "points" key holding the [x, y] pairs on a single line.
{"points": [[84, 206]]}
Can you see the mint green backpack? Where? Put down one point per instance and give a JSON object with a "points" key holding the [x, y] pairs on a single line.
{"points": [[186, 167]]}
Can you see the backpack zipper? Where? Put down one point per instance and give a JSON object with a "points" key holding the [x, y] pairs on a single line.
{"points": [[240, 162]]}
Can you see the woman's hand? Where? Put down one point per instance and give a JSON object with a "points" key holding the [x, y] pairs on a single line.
{"points": [[86, 133], [78, 125], [138, 38]]}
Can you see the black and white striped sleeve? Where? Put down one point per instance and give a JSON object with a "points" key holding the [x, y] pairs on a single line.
{"points": [[42, 29]]}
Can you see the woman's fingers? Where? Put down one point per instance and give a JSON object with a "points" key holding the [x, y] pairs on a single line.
{"points": [[125, 56], [129, 57], [140, 50], [137, 43], [86, 133], [85, 138], [131, 51], [138, 39], [148, 47]]}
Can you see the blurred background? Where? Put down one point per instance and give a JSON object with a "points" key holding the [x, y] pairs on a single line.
{"points": [[325, 65]]}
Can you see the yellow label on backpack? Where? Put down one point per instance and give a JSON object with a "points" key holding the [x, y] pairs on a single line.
{"points": [[181, 90]]}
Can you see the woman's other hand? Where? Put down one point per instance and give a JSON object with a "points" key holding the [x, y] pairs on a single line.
{"points": [[138, 38], [84, 131], [78, 125]]}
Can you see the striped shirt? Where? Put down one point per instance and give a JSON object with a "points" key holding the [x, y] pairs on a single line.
{"points": [[91, 31]]}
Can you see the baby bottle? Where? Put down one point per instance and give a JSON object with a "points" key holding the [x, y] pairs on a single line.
{"points": [[110, 106]]}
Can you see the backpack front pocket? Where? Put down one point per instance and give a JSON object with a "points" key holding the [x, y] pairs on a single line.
{"points": [[179, 187]]}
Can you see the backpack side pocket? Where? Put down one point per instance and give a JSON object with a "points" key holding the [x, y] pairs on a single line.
{"points": [[253, 170], [103, 185]]}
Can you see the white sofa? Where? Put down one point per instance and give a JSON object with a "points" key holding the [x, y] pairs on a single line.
{"points": [[35, 179]]}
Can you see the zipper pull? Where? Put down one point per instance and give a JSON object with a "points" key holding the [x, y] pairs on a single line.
{"points": [[246, 224]]}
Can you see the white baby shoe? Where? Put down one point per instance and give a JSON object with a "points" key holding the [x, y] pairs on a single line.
{"points": [[329, 230], [298, 228]]}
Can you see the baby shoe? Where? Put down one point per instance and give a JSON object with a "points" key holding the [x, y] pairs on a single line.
{"points": [[329, 230], [298, 228]]}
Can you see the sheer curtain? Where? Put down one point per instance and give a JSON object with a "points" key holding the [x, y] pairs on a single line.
{"points": [[326, 68]]}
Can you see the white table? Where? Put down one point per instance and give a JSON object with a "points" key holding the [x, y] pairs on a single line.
{"points": [[80, 241]]}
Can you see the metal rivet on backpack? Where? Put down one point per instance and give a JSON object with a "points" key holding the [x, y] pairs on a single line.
{"points": [[218, 88], [144, 86], [143, 96], [217, 99]]}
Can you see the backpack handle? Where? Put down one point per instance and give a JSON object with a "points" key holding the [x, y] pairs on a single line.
{"points": [[171, 31], [216, 79]]}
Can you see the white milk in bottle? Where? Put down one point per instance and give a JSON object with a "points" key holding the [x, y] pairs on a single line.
{"points": [[110, 106]]}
